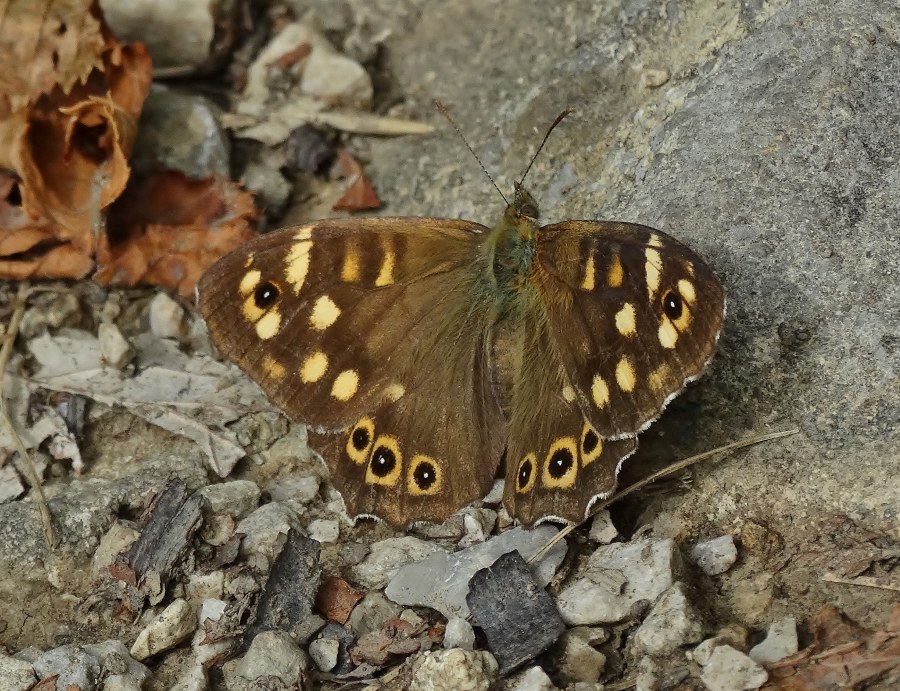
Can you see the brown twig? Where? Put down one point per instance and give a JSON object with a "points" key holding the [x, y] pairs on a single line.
{"points": [[28, 467], [668, 470]]}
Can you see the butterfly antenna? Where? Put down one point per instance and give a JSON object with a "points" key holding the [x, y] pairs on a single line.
{"points": [[443, 110], [559, 118]]}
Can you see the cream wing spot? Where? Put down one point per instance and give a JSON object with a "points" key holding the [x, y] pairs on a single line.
{"points": [[386, 273], [668, 334], [659, 377], [587, 283], [272, 367], [324, 313], [249, 282], [626, 320], [616, 274], [350, 267], [625, 376], [345, 385], [599, 391], [269, 324], [686, 289], [652, 271], [568, 394], [314, 367], [297, 263], [655, 240], [394, 392]]}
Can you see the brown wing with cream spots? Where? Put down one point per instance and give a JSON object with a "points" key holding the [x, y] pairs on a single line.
{"points": [[633, 313], [375, 328], [556, 461]]}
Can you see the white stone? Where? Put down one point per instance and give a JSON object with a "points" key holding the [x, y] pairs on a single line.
{"points": [[780, 641], [324, 530], [580, 661], [459, 634], [171, 627], [16, 675], [115, 348], [271, 654], [673, 622], [166, 317], [371, 613], [532, 679], [203, 586], [715, 556], [324, 652], [730, 670], [336, 80], [266, 530], [453, 670], [602, 528]]}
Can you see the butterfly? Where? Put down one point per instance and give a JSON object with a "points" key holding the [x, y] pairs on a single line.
{"points": [[439, 349]]}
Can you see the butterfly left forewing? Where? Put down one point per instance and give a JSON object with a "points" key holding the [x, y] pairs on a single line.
{"points": [[372, 320], [633, 313]]}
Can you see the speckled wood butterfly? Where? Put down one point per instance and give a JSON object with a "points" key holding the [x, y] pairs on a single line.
{"points": [[440, 348]]}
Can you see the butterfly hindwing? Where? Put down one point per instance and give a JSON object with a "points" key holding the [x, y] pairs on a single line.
{"points": [[556, 462], [633, 314], [374, 323]]}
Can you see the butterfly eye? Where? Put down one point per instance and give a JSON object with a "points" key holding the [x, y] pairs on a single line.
{"points": [[560, 463], [526, 475], [360, 438], [673, 305], [384, 460], [265, 295], [425, 478]]}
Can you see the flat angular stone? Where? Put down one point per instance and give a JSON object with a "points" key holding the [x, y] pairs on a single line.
{"points": [[518, 617]]}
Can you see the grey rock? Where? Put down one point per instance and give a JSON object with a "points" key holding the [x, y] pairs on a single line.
{"points": [[478, 524], [344, 639], [116, 660], [459, 634], [580, 661], [11, 486], [299, 489], [389, 556], [453, 670], [269, 186], [673, 622], [167, 317], [715, 556], [73, 664], [728, 669], [16, 675], [441, 581], [180, 131], [370, 613], [266, 529], [518, 617], [272, 655], [780, 641], [236, 498], [50, 311], [324, 652], [616, 577]]}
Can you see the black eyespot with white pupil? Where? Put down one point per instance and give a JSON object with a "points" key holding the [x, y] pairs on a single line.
{"points": [[383, 461], [424, 475], [525, 471], [673, 305], [360, 438], [265, 295], [560, 463], [589, 442]]}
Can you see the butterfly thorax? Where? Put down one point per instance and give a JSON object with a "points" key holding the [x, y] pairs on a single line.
{"points": [[511, 245]]}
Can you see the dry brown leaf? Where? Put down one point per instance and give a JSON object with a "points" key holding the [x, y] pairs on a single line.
{"points": [[336, 599], [842, 656], [359, 195], [168, 229], [45, 44]]}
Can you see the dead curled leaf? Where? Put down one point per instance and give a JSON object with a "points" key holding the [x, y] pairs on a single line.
{"points": [[67, 126], [168, 229], [396, 637], [843, 655], [336, 599]]}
